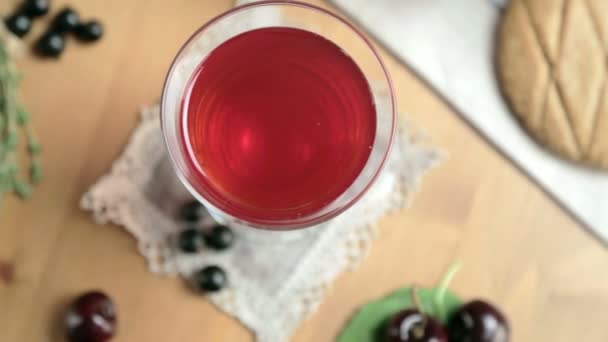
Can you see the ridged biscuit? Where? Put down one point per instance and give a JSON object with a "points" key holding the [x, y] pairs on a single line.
{"points": [[552, 63]]}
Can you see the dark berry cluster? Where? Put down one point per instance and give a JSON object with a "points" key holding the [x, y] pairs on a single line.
{"points": [[192, 240], [53, 41]]}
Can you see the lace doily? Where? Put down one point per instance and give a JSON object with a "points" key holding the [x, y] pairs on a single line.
{"points": [[276, 279]]}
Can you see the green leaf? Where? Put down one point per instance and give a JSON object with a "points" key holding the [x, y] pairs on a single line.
{"points": [[36, 172], [11, 140], [34, 148], [23, 116], [370, 321], [22, 189]]}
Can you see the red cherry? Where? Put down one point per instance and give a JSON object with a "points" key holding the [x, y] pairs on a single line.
{"points": [[413, 326], [91, 318], [478, 321]]}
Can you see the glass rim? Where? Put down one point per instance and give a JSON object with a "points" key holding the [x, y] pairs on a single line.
{"points": [[302, 222]]}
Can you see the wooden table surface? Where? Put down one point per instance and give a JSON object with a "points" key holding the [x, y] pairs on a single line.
{"points": [[519, 248]]}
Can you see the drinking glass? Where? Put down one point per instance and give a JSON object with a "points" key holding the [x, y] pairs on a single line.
{"points": [[272, 14]]}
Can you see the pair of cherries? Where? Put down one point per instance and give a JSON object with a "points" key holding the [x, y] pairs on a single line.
{"points": [[53, 42], [476, 321]]}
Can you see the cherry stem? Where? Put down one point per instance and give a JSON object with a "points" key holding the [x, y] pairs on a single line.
{"points": [[416, 299], [442, 289], [418, 330]]}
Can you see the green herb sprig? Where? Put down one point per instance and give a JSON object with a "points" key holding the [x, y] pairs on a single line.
{"points": [[14, 120]]}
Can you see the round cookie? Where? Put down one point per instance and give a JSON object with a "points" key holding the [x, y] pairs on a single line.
{"points": [[552, 63]]}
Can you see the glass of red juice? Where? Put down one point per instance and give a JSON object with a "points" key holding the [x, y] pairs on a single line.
{"points": [[278, 115]]}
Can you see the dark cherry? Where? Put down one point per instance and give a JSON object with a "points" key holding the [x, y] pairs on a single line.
{"points": [[36, 8], [89, 32], [91, 318], [219, 238], [192, 211], [66, 21], [51, 44], [210, 279], [19, 24], [478, 321], [191, 240], [413, 326]]}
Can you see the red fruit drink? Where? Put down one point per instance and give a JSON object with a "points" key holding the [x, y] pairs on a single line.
{"points": [[277, 123]]}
